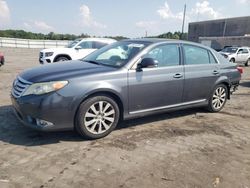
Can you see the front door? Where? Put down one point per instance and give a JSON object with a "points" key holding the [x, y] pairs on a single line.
{"points": [[158, 87]]}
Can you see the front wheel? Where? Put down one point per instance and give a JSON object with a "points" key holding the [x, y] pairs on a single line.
{"points": [[61, 58], [218, 98], [97, 117], [232, 60]]}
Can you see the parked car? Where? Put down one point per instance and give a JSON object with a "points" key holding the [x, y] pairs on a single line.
{"points": [[1, 59], [77, 49], [237, 54], [124, 80]]}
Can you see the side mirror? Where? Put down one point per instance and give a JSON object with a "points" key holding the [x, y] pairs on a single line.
{"points": [[147, 63], [78, 47]]}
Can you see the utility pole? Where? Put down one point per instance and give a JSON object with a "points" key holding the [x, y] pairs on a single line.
{"points": [[183, 21]]}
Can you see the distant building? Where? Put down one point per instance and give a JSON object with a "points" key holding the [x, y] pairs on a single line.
{"points": [[222, 32]]}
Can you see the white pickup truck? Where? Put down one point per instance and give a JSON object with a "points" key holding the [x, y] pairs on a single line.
{"points": [[77, 49], [237, 54]]}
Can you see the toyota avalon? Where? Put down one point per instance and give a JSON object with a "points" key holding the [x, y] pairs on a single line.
{"points": [[124, 80]]}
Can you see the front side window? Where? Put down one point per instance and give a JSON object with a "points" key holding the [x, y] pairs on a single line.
{"points": [[73, 43], [117, 54], [86, 45], [166, 55], [195, 55]]}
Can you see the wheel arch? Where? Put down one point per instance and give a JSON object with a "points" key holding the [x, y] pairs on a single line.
{"points": [[225, 82], [106, 92], [62, 55]]}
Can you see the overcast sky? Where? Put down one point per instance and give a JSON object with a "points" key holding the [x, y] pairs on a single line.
{"points": [[129, 18]]}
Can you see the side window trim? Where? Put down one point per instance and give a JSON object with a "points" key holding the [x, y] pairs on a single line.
{"points": [[210, 54]]}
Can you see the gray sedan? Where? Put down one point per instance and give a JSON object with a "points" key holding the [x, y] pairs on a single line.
{"points": [[127, 79]]}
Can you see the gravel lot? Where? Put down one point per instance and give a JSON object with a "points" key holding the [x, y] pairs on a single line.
{"points": [[184, 149]]}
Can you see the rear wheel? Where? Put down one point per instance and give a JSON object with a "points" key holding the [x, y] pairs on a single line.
{"points": [[218, 98], [247, 62], [97, 117]]}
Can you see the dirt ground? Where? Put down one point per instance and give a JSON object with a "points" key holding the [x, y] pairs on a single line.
{"points": [[184, 149]]}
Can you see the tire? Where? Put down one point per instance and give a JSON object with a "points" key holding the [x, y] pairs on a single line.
{"points": [[247, 63], [97, 117], [232, 60], [218, 98], [62, 58]]}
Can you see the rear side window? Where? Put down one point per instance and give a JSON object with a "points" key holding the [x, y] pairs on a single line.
{"points": [[245, 51], [98, 45], [195, 55]]}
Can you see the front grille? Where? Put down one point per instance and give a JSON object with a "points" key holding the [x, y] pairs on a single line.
{"points": [[41, 55], [19, 86]]}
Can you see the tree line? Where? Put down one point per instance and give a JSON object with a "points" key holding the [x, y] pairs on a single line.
{"points": [[55, 36]]}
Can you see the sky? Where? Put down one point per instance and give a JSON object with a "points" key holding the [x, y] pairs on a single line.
{"points": [[130, 18]]}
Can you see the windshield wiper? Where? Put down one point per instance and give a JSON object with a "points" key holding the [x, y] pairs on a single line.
{"points": [[93, 62]]}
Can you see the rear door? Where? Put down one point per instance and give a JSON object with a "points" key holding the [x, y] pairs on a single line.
{"points": [[201, 72], [158, 87]]}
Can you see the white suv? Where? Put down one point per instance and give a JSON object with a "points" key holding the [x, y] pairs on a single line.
{"points": [[237, 54], [77, 49]]}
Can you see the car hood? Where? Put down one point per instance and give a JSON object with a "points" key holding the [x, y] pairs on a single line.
{"points": [[63, 71], [57, 50]]}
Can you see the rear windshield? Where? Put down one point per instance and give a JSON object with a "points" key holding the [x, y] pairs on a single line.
{"points": [[230, 50]]}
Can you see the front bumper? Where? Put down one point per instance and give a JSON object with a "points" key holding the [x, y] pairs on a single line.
{"points": [[52, 108], [45, 60]]}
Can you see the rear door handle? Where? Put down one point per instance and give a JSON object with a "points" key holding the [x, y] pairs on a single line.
{"points": [[178, 75], [215, 72]]}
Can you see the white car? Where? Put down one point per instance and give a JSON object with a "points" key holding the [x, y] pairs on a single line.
{"points": [[237, 54], [77, 49]]}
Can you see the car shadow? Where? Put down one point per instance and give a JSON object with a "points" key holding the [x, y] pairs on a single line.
{"points": [[245, 84], [13, 132]]}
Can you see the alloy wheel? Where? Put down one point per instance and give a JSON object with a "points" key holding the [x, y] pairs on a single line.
{"points": [[219, 98], [99, 117]]}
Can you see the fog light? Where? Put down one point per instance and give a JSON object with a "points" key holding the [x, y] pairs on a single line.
{"points": [[43, 123]]}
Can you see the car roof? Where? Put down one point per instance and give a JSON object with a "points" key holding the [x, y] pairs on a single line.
{"points": [[108, 40], [159, 40]]}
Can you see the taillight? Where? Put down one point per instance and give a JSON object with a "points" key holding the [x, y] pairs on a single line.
{"points": [[240, 69]]}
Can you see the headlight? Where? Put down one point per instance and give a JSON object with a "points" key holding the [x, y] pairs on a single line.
{"points": [[48, 54], [45, 87]]}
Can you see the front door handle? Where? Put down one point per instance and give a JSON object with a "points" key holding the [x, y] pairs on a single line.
{"points": [[178, 75], [215, 72]]}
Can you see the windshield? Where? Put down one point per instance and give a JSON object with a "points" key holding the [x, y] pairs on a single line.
{"points": [[230, 50], [73, 43], [117, 54]]}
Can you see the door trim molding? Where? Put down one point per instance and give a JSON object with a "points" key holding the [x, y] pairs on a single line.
{"points": [[169, 106]]}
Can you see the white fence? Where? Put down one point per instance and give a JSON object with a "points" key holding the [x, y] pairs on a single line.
{"points": [[27, 43]]}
